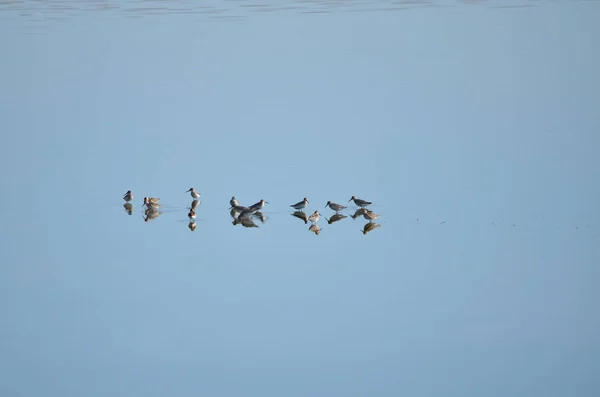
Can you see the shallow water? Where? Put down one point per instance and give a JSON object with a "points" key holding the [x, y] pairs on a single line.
{"points": [[471, 126]]}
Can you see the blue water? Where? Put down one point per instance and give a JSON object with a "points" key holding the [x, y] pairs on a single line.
{"points": [[471, 126]]}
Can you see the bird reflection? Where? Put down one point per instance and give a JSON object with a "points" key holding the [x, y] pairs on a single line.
{"points": [[359, 212], [192, 226], [151, 213], [260, 216], [128, 208], [194, 204], [244, 216], [370, 226], [370, 215], [336, 218], [301, 215], [316, 229], [244, 221]]}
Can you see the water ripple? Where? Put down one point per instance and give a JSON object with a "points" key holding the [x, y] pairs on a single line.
{"points": [[34, 11]]}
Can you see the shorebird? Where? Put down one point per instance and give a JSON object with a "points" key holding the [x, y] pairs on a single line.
{"points": [[149, 204], [195, 195], [334, 206], [128, 196], [192, 214], [233, 202], [359, 202], [370, 215], [194, 204], [246, 213], [314, 218], [192, 226], [259, 205], [301, 205]]}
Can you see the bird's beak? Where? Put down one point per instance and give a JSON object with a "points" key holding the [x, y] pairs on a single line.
{"points": [[349, 200]]}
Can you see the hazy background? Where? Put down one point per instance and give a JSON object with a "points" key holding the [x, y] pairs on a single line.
{"points": [[472, 126]]}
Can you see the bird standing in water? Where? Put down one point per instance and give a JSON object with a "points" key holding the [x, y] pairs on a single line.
{"points": [[195, 195], [128, 196]]}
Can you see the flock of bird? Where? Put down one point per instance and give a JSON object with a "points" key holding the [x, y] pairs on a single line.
{"points": [[244, 215]]}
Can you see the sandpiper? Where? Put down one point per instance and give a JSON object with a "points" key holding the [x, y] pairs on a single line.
{"points": [[128, 196], [259, 205], [194, 204], [149, 204], [246, 213], [370, 215], [233, 202], [195, 195], [301, 205], [192, 214], [334, 206], [359, 202], [314, 218], [192, 226], [153, 200]]}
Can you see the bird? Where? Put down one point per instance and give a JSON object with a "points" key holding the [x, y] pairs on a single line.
{"points": [[259, 205], [153, 200], [128, 196], [301, 205], [359, 202], [192, 214], [314, 218], [194, 204], [233, 202], [370, 215], [246, 213], [149, 204], [195, 195], [334, 206]]}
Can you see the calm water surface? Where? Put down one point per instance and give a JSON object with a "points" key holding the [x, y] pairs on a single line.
{"points": [[472, 127]]}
